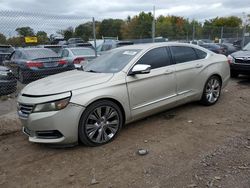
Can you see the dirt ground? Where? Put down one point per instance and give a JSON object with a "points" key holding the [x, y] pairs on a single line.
{"points": [[189, 146]]}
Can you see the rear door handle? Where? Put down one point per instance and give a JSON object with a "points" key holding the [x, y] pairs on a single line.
{"points": [[198, 66]]}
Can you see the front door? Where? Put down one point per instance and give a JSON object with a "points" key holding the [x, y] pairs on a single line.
{"points": [[149, 92]]}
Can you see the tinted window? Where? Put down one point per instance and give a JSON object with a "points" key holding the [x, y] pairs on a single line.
{"points": [[156, 58], [39, 53], [183, 54], [83, 51], [200, 53]]}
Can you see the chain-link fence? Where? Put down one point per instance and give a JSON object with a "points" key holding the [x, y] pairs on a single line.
{"points": [[35, 45]]}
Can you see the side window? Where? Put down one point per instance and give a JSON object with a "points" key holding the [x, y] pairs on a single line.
{"points": [[183, 54], [65, 53], [201, 54], [156, 58]]}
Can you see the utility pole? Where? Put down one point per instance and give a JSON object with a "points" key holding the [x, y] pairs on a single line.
{"points": [[94, 36], [221, 34], [153, 26], [244, 29], [193, 36]]}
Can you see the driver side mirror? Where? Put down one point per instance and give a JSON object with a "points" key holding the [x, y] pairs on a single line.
{"points": [[140, 69]]}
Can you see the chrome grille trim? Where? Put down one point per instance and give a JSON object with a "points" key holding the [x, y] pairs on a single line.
{"points": [[24, 110]]}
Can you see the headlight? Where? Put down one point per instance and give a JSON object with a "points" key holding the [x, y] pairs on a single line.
{"points": [[52, 106], [3, 73]]}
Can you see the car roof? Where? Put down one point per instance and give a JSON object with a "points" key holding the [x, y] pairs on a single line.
{"points": [[158, 44], [34, 48], [76, 48]]}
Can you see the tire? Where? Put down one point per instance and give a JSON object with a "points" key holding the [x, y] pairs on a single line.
{"points": [[21, 77], [100, 123], [211, 91], [234, 74]]}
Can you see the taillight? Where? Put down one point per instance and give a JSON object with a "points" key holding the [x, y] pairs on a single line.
{"points": [[31, 64], [78, 60], [230, 59], [62, 62]]}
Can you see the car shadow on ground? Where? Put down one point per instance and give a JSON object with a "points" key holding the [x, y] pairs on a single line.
{"points": [[244, 80]]}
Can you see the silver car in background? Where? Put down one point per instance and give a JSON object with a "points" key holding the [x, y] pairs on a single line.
{"points": [[124, 85], [79, 56]]}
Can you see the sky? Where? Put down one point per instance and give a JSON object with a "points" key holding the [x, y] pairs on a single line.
{"points": [[50, 15]]}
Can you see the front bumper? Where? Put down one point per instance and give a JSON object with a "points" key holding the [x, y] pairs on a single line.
{"points": [[241, 69], [7, 86], [64, 123]]}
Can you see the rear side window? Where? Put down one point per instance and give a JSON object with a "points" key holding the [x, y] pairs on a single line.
{"points": [[200, 53], [157, 58], [183, 54]]}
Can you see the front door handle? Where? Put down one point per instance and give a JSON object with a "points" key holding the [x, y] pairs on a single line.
{"points": [[198, 66], [169, 71]]}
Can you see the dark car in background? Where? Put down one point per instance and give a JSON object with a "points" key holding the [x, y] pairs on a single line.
{"points": [[5, 51], [75, 40], [8, 83], [33, 63], [240, 62], [85, 44], [229, 48], [79, 56], [111, 44], [214, 48]]}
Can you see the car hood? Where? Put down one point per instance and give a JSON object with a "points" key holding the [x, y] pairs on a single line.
{"points": [[241, 54], [63, 82]]}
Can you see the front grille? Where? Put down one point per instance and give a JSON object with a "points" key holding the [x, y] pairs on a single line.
{"points": [[24, 110], [243, 61]]}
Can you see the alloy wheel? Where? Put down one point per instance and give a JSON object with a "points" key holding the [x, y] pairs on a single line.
{"points": [[102, 124]]}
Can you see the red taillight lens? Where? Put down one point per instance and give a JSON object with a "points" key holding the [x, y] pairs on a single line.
{"points": [[31, 64], [62, 62], [78, 60], [230, 59]]}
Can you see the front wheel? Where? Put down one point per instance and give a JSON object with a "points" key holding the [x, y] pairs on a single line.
{"points": [[212, 91], [100, 123]]}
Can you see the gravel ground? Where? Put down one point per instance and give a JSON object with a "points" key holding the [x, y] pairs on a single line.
{"points": [[189, 146]]}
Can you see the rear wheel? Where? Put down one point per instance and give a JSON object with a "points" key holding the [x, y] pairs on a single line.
{"points": [[100, 123], [212, 91]]}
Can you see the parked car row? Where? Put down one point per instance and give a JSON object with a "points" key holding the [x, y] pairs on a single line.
{"points": [[28, 64]]}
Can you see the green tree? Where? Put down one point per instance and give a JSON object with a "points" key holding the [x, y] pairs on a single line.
{"points": [[138, 27], [110, 28], [42, 37], [2, 39], [25, 31], [84, 31], [67, 33]]}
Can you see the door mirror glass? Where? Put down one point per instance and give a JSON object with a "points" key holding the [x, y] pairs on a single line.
{"points": [[140, 69]]}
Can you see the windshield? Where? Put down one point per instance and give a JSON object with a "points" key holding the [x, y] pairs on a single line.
{"points": [[247, 47], [39, 53], [83, 51], [112, 62]]}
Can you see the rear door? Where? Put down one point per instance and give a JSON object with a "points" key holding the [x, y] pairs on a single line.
{"points": [[148, 92], [188, 69]]}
